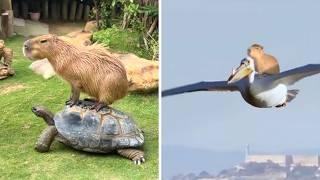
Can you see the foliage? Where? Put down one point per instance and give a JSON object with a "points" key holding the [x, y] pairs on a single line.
{"points": [[20, 129], [122, 40], [139, 15], [105, 13]]}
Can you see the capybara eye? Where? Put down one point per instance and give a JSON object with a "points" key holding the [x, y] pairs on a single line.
{"points": [[43, 41]]}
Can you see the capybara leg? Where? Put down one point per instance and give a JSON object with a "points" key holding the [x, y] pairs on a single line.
{"points": [[46, 138], [137, 156], [75, 95]]}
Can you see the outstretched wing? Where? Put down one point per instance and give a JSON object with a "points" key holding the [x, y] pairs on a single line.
{"points": [[291, 76], [201, 86]]}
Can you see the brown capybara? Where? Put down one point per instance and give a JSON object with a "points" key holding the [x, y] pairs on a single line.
{"points": [[6, 54], [88, 69], [264, 63]]}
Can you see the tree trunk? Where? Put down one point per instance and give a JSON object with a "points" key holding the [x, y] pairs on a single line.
{"points": [[86, 13], [97, 13], [73, 9], [4, 24], [65, 4], [25, 9], [54, 10], [153, 26], [45, 10], [79, 12]]}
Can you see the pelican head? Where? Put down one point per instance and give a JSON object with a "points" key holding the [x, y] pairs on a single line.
{"points": [[245, 69]]}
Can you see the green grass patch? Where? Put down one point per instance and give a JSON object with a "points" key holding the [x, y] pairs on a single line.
{"points": [[19, 130], [121, 40]]}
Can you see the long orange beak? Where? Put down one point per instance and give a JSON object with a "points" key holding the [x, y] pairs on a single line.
{"points": [[241, 72]]}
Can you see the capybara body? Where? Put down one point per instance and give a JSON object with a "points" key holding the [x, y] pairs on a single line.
{"points": [[264, 63], [88, 69]]}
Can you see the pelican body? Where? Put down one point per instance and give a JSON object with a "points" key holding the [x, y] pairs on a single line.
{"points": [[258, 90]]}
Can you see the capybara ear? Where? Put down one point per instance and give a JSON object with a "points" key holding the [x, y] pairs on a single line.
{"points": [[257, 45], [54, 37]]}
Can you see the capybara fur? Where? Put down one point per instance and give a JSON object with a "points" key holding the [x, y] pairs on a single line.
{"points": [[264, 63], [89, 69], [6, 54]]}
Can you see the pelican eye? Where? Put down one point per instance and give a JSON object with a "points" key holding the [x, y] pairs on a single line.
{"points": [[43, 41]]}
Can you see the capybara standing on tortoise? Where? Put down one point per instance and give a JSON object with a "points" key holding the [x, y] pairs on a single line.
{"points": [[88, 69]]}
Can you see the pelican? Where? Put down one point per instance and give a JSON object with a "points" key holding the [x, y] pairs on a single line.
{"points": [[258, 90]]}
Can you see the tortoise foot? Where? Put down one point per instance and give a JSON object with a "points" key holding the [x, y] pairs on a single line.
{"points": [[137, 156], [46, 138]]}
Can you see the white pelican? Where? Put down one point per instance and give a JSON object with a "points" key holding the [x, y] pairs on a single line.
{"points": [[261, 91]]}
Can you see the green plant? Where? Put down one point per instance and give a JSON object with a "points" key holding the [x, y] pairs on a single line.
{"points": [[123, 40]]}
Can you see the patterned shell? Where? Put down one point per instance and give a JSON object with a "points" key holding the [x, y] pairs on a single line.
{"points": [[102, 131]]}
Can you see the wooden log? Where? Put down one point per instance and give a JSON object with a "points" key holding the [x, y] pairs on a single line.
{"points": [[6, 5], [86, 13], [16, 9], [73, 8], [10, 23], [65, 4], [53, 8], [25, 9], [79, 12], [58, 9], [45, 9], [4, 24]]}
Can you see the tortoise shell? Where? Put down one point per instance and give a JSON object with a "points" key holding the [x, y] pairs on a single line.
{"points": [[92, 131]]}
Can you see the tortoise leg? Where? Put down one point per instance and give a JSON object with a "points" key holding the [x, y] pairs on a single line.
{"points": [[46, 138], [135, 155]]}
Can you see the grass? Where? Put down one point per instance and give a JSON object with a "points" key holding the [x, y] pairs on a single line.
{"points": [[19, 130]]}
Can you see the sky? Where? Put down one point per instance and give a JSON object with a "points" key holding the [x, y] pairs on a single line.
{"points": [[204, 40]]}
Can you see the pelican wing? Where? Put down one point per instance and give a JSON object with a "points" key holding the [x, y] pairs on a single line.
{"points": [[291, 76], [201, 86]]}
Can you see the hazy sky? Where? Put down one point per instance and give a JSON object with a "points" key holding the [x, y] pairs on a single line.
{"points": [[204, 40]]}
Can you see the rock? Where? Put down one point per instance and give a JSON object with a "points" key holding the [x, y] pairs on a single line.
{"points": [[42, 67], [143, 74]]}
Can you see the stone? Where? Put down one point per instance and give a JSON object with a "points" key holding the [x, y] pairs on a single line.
{"points": [[143, 74]]}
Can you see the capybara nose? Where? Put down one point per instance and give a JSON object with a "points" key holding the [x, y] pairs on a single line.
{"points": [[27, 45]]}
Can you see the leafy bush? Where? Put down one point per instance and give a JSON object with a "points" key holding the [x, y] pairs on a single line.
{"points": [[122, 40]]}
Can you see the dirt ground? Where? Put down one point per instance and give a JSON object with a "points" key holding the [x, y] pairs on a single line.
{"points": [[62, 28]]}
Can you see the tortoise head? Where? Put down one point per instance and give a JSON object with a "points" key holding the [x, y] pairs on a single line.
{"points": [[44, 113]]}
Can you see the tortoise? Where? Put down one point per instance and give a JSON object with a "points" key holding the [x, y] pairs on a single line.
{"points": [[80, 127]]}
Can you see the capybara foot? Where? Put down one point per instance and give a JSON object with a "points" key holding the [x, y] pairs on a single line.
{"points": [[71, 102], [137, 156], [281, 105], [98, 106]]}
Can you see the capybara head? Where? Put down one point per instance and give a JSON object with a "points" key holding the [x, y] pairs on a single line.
{"points": [[1, 45], [39, 47], [255, 51]]}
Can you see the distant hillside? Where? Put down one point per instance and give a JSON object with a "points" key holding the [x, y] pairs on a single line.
{"points": [[181, 160]]}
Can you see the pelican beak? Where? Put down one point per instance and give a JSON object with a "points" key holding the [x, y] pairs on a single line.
{"points": [[241, 72]]}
